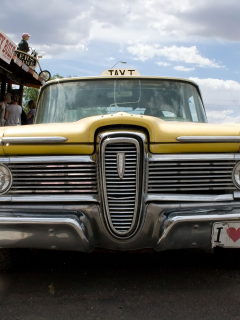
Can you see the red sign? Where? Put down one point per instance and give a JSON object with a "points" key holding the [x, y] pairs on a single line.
{"points": [[7, 47]]}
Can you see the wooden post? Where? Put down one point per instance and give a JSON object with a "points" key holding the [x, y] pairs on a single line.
{"points": [[9, 88], [3, 85], [21, 94]]}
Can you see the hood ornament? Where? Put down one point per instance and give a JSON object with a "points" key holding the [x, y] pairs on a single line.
{"points": [[121, 164]]}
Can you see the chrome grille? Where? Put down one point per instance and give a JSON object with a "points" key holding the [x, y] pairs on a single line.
{"points": [[190, 175], [121, 194], [53, 177]]}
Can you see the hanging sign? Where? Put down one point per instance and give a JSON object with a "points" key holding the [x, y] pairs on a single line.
{"points": [[7, 47], [29, 60]]}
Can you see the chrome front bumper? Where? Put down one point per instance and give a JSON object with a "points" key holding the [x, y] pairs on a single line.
{"points": [[80, 228], [43, 233]]}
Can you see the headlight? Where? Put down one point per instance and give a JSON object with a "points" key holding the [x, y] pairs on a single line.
{"points": [[236, 175], [5, 179]]}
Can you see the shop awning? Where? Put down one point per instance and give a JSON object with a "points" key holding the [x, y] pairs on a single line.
{"points": [[19, 73]]}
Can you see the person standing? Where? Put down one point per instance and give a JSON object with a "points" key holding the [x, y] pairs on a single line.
{"points": [[23, 44], [13, 112], [31, 113], [7, 99]]}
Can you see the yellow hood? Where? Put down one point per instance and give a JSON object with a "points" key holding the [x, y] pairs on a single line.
{"points": [[80, 135]]}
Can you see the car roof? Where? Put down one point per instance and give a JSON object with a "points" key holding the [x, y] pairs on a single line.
{"points": [[101, 77]]}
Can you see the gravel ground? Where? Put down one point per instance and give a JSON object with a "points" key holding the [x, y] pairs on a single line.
{"points": [[186, 284]]}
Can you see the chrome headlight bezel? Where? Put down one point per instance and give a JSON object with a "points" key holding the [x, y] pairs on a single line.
{"points": [[236, 175], [6, 171]]}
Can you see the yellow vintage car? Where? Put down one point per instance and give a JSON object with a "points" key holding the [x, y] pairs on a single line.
{"points": [[120, 161]]}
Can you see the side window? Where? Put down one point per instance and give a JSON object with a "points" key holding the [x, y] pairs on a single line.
{"points": [[192, 109]]}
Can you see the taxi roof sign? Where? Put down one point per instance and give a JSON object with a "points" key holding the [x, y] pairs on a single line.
{"points": [[120, 72]]}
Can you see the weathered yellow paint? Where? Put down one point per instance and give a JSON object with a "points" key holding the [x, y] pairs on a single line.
{"points": [[1, 146], [49, 149], [83, 132], [2, 152], [193, 148]]}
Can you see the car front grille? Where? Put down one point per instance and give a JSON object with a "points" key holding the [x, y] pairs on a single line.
{"points": [[77, 177], [191, 176], [121, 193]]}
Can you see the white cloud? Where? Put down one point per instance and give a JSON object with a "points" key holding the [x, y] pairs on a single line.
{"points": [[182, 68], [110, 58], [221, 99], [219, 90], [70, 23], [218, 84], [226, 116], [164, 64], [191, 55], [54, 50]]}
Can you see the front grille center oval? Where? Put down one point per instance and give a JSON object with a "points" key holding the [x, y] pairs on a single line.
{"points": [[121, 164], [120, 168]]}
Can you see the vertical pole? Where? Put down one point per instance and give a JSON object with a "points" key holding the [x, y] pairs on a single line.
{"points": [[3, 86], [9, 88], [21, 94]]}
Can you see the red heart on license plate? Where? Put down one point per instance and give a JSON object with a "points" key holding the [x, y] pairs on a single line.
{"points": [[233, 233]]}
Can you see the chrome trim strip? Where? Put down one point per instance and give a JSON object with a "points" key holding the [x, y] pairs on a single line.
{"points": [[47, 159], [113, 134], [4, 159], [206, 156], [236, 194], [51, 159], [208, 139], [5, 198], [53, 198], [188, 197], [33, 140]]}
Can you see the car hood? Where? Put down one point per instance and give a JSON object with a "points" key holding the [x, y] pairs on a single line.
{"points": [[80, 135]]}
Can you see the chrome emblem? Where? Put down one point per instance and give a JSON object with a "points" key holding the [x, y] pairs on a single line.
{"points": [[121, 164]]}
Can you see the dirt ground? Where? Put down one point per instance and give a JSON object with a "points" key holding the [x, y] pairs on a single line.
{"points": [[187, 284]]}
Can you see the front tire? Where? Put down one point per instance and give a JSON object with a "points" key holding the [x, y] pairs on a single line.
{"points": [[45, 75]]}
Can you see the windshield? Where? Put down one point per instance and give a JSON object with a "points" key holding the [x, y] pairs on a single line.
{"points": [[169, 100]]}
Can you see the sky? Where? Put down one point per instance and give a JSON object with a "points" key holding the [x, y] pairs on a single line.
{"points": [[197, 40]]}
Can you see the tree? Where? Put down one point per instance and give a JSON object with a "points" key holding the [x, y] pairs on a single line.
{"points": [[29, 94]]}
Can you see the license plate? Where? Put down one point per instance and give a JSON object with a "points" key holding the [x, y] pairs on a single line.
{"points": [[226, 234]]}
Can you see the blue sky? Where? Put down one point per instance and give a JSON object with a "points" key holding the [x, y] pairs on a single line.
{"points": [[177, 38]]}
